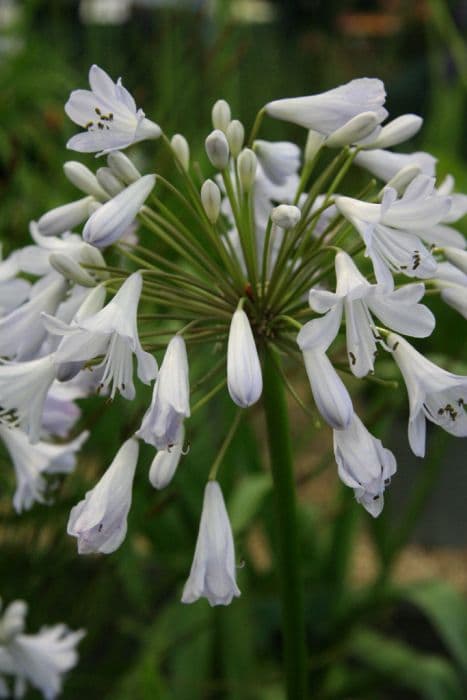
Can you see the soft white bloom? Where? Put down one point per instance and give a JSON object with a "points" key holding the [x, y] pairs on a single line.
{"points": [[217, 149], [84, 179], [362, 126], [110, 182], [170, 403], [122, 167], [31, 462], [385, 164], [359, 299], [453, 285], [434, 394], [330, 110], [112, 219], [65, 217], [221, 115], [456, 257], [23, 389], [181, 149], [389, 229], [60, 414], [279, 159], [363, 464], [111, 332], [396, 131], [71, 270], [212, 574], [108, 113], [13, 620], [165, 462], [314, 143], [22, 330], [100, 521], [442, 234], [286, 215], [331, 397], [13, 293], [244, 378]]}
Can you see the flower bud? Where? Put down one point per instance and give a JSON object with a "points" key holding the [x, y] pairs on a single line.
{"points": [[286, 215], [211, 200], [89, 255], [64, 218], [181, 149], [122, 167], [112, 219], [246, 167], [71, 270], [354, 130], [109, 182], [244, 377], [165, 462], [217, 149], [456, 257], [402, 179], [397, 131], [235, 136], [313, 144], [81, 177], [221, 115]]}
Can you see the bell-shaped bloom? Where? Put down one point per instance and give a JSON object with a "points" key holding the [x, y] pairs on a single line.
{"points": [[108, 113], [165, 463], [363, 464], [331, 110], [170, 403], [331, 397], [452, 283], [100, 521], [358, 299], [111, 220], [111, 332], [279, 159], [434, 394], [23, 390], [389, 229], [244, 378], [22, 330], [32, 461], [40, 659], [212, 574]]}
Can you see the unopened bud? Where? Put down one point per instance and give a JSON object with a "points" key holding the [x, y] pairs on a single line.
{"points": [[456, 257], [221, 115], [64, 218], [356, 129], [286, 216], [211, 199], [313, 144], [92, 256], [235, 136], [92, 304], [122, 167], [109, 181], [71, 270], [246, 167], [217, 149], [397, 131], [81, 177], [181, 149], [402, 179]]}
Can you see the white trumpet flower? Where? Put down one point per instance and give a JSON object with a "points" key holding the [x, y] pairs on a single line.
{"points": [[100, 521], [212, 574], [363, 464], [434, 394], [244, 378], [170, 403], [108, 113]]}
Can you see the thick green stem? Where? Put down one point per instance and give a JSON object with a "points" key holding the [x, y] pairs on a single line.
{"points": [[288, 555]]}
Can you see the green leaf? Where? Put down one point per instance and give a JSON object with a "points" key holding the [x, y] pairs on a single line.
{"points": [[431, 676], [447, 611], [247, 499]]}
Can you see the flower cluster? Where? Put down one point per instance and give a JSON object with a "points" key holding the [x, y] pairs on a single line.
{"points": [[39, 659], [255, 249]]}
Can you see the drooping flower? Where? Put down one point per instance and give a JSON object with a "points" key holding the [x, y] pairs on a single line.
{"points": [[32, 461], [100, 521], [111, 332], [170, 403], [331, 110], [363, 464], [244, 378], [108, 113], [359, 299], [434, 394], [331, 397], [165, 463], [212, 574]]}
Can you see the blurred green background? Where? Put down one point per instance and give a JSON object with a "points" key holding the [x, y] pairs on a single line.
{"points": [[385, 600]]}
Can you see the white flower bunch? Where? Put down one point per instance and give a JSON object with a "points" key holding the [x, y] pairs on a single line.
{"points": [[261, 246], [39, 660]]}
